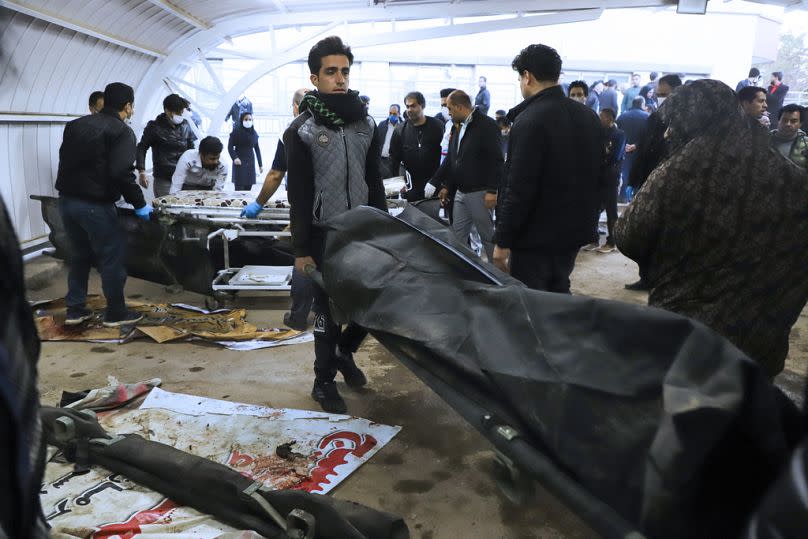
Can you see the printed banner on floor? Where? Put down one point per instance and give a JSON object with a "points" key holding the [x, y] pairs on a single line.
{"points": [[282, 448]]}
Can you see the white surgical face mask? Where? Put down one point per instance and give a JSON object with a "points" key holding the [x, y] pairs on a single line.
{"points": [[445, 111], [177, 119], [580, 99], [247, 124], [661, 99]]}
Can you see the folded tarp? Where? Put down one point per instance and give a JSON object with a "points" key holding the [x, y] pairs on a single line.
{"points": [[647, 412]]}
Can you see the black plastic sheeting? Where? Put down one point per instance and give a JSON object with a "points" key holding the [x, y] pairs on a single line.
{"points": [[211, 487], [174, 251], [638, 418]]}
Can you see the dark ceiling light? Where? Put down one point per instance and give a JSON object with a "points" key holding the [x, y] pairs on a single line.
{"points": [[697, 7]]}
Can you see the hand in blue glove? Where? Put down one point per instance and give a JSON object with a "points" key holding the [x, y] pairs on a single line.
{"points": [[252, 210], [144, 212], [629, 193]]}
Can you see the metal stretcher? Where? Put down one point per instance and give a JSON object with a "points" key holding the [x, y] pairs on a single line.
{"points": [[193, 247], [271, 223]]}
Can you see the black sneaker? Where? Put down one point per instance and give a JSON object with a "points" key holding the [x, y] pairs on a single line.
{"points": [[129, 317], [294, 324], [325, 392], [354, 377], [77, 315], [639, 285]]}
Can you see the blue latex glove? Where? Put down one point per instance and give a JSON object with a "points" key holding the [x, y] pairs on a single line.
{"points": [[629, 193], [252, 210], [144, 212]]}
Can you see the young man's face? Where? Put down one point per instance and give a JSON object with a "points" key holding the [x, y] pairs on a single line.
{"points": [[482, 82], [756, 107], [414, 110], [635, 80], [789, 123], [577, 94], [334, 74], [210, 162], [774, 80], [606, 120]]}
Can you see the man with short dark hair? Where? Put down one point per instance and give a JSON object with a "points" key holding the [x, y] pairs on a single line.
{"points": [[608, 97], [384, 132], [776, 94], [332, 155], [96, 102], [630, 93], [549, 195], [633, 123], [483, 99], [752, 80], [200, 169], [416, 144], [578, 90], [472, 170], [95, 169], [789, 139], [443, 115], [169, 136], [615, 146], [753, 103]]}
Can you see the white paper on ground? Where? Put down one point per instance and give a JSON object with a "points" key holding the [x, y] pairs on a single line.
{"points": [[243, 346]]}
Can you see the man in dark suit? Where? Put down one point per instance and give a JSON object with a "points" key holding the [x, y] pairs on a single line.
{"points": [[633, 123], [385, 136], [548, 200], [472, 170]]}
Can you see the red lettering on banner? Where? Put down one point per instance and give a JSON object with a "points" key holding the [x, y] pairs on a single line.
{"points": [[239, 460], [334, 449], [131, 528]]}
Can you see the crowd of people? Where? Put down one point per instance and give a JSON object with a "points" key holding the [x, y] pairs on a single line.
{"points": [[524, 189]]}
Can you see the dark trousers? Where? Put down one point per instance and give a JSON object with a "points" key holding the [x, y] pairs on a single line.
{"points": [[608, 198], [243, 186], [328, 335], [543, 270], [628, 162], [302, 296], [95, 238]]}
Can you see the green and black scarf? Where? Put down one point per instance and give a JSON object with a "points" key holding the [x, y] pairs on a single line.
{"points": [[334, 110]]}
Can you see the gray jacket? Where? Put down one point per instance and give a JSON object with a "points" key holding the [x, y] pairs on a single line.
{"points": [[331, 170]]}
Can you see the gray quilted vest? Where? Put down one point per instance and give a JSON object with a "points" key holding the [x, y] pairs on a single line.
{"points": [[338, 157]]}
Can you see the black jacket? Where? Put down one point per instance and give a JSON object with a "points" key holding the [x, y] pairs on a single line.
{"points": [[549, 196], [476, 164], [168, 142], [96, 160]]}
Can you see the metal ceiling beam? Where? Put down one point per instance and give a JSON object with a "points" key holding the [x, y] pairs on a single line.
{"points": [[35, 117], [385, 38], [80, 28], [196, 22], [256, 21], [429, 11]]}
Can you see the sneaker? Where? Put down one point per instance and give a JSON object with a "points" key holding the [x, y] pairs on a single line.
{"points": [[129, 317], [294, 324], [77, 315], [325, 392], [606, 248], [354, 377], [590, 246], [639, 285]]}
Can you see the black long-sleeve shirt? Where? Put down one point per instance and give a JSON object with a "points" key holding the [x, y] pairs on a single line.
{"points": [[418, 147]]}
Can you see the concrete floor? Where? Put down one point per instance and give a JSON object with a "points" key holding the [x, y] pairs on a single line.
{"points": [[438, 472]]}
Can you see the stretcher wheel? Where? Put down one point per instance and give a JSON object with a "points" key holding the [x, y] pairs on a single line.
{"points": [[512, 482]]}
